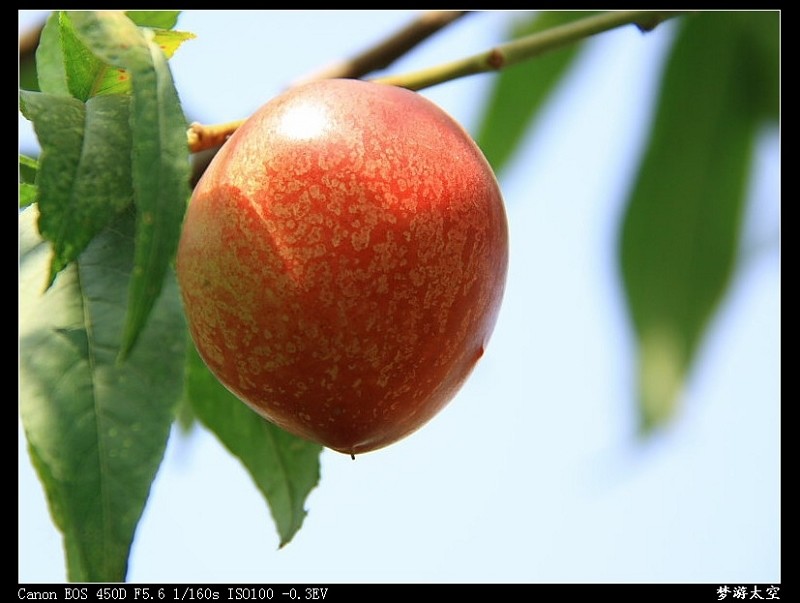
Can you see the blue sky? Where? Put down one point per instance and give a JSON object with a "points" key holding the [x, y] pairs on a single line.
{"points": [[533, 472]]}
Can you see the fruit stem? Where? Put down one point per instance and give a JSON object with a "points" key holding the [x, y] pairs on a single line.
{"points": [[527, 47], [201, 137]]}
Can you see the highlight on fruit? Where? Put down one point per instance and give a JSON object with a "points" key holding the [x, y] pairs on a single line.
{"points": [[343, 260]]}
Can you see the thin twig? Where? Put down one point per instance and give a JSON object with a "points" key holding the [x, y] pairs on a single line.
{"points": [[383, 54], [527, 47], [29, 42], [201, 137], [494, 59]]}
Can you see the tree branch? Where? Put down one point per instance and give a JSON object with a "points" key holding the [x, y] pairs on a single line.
{"points": [[387, 51], [202, 137], [29, 42], [528, 47]]}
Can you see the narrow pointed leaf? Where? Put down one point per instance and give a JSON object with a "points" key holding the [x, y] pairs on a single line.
{"points": [[519, 92], [160, 166], [85, 168], [681, 228], [96, 430], [82, 66], [50, 69], [115, 80], [28, 167], [70, 68], [66, 66], [284, 467], [759, 55]]}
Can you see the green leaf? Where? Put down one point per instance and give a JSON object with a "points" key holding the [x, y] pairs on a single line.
{"points": [[96, 430], [50, 69], [28, 168], [681, 228], [759, 58], [82, 66], [163, 19], [66, 67], [185, 418], [27, 194], [71, 68], [160, 159], [116, 80], [520, 91], [28, 191], [285, 468], [85, 168], [28, 78]]}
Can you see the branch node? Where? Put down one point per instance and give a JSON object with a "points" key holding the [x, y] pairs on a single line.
{"points": [[646, 25], [496, 59]]}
